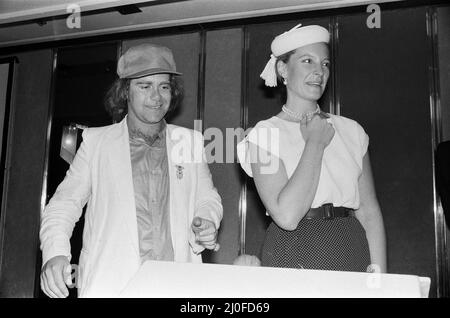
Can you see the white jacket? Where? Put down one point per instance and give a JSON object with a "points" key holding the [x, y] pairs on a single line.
{"points": [[100, 176]]}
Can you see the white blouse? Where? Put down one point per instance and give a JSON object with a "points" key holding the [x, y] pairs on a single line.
{"points": [[341, 164]]}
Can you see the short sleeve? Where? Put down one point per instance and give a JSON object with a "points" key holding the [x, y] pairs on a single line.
{"points": [[266, 137], [363, 140]]}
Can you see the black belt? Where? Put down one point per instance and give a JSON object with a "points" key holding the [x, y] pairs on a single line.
{"points": [[328, 212]]}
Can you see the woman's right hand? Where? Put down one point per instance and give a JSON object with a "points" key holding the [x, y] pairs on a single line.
{"points": [[317, 130]]}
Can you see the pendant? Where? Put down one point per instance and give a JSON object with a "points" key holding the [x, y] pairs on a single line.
{"points": [[179, 171]]}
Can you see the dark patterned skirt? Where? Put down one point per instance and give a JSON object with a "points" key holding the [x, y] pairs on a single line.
{"points": [[339, 244]]}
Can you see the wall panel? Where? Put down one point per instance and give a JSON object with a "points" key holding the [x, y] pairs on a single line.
{"points": [[443, 19], [443, 28], [22, 214], [384, 85], [223, 111]]}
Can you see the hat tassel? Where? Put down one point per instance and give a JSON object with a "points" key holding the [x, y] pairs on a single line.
{"points": [[269, 74]]}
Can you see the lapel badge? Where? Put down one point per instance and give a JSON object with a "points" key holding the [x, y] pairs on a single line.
{"points": [[179, 171]]}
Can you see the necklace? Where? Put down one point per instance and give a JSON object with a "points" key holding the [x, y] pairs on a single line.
{"points": [[300, 116]]}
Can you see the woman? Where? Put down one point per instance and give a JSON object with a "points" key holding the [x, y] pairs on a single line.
{"points": [[311, 169]]}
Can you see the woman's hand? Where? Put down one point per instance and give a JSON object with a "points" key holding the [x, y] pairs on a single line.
{"points": [[317, 130]]}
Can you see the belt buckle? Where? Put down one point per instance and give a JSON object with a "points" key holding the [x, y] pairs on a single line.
{"points": [[328, 211]]}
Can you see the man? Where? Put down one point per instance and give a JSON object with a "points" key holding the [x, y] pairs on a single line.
{"points": [[148, 189]]}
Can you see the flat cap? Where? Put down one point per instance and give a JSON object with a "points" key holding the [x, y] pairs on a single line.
{"points": [[146, 59]]}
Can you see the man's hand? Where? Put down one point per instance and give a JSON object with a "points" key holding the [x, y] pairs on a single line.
{"points": [[205, 233], [55, 276]]}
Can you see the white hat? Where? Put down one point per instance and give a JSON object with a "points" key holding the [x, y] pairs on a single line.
{"points": [[290, 40]]}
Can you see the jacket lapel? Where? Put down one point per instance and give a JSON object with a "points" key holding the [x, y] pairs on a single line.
{"points": [[172, 190], [177, 141], [119, 156]]}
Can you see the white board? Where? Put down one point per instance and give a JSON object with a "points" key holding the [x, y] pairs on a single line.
{"points": [[186, 280]]}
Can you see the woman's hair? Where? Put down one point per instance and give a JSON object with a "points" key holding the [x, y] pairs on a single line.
{"points": [[283, 58], [116, 99]]}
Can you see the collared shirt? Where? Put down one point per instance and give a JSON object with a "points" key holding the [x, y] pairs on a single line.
{"points": [[151, 191]]}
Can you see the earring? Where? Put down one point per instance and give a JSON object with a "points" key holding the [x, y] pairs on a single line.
{"points": [[285, 81]]}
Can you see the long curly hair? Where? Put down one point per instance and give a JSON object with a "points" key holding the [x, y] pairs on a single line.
{"points": [[116, 98]]}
